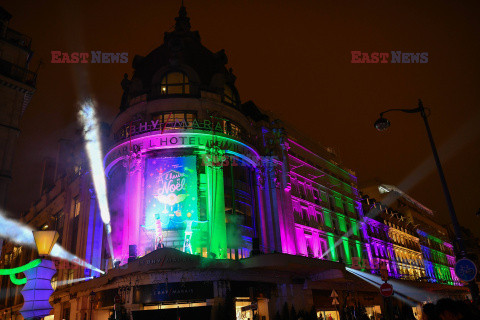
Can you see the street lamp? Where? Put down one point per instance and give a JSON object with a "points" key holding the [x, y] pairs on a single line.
{"points": [[38, 289], [381, 125]]}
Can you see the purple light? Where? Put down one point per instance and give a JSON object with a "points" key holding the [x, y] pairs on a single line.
{"points": [[37, 290]]}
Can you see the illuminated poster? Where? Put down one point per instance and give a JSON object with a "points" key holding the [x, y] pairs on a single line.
{"points": [[170, 194]]}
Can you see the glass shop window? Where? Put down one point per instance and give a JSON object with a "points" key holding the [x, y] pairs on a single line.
{"points": [[175, 83]]}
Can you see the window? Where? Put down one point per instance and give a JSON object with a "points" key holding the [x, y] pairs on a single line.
{"points": [[74, 235], [169, 119], [331, 203], [59, 222], [229, 95], [76, 207], [316, 197], [232, 129], [301, 188], [305, 216], [77, 170], [54, 282], [328, 221], [70, 276], [354, 227], [175, 83]]}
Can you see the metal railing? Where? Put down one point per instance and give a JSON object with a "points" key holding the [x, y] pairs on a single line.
{"points": [[17, 39], [18, 73]]}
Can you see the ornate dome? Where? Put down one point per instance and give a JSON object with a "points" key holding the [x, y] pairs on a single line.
{"points": [[182, 53]]}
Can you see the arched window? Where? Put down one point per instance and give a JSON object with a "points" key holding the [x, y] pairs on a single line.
{"points": [[175, 83], [229, 95]]}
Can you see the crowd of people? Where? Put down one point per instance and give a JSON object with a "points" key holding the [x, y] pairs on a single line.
{"points": [[448, 309]]}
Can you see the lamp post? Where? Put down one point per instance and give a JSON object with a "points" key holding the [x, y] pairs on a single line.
{"points": [[381, 125], [38, 289]]}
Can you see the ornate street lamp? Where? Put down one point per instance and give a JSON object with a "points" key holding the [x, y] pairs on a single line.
{"points": [[45, 240], [381, 125], [38, 289]]}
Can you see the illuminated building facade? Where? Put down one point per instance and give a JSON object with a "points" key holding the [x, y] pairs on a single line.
{"points": [[215, 206], [419, 247]]}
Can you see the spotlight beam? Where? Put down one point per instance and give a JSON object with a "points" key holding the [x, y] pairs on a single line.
{"points": [[21, 234], [403, 291], [91, 132]]}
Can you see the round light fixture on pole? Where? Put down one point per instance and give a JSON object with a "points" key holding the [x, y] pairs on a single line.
{"points": [[45, 240], [382, 124]]}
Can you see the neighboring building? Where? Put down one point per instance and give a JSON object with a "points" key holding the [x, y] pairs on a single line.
{"points": [[17, 85], [216, 207], [420, 247]]}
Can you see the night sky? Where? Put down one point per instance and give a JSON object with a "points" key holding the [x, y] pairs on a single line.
{"points": [[290, 57]]}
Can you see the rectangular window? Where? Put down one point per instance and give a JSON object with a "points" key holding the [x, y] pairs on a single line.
{"points": [[316, 197], [320, 218], [54, 282], [301, 188], [328, 220], [60, 220], [74, 235], [354, 227], [76, 206], [342, 224], [306, 217], [323, 196], [331, 203], [70, 276], [350, 207], [339, 203]]}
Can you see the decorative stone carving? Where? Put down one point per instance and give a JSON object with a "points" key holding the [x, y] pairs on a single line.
{"points": [[133, 162]]}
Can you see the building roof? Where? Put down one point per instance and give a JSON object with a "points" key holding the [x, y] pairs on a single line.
{"points": [[182, 47]]}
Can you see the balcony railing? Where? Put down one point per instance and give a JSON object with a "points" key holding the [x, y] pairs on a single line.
{"points": [[17, 39], [18, 73]]}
